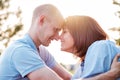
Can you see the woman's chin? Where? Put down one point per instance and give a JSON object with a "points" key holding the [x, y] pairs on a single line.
{"points": [[62, 49], [66, 50]]}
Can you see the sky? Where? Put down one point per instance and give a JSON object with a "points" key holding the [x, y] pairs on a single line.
{"points": [[102, 10]]}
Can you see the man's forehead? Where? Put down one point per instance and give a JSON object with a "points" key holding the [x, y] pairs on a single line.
{"points": [[59, 25], [60, 21]]}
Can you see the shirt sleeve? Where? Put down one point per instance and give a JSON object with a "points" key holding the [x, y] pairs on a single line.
{"points": [[26, 60], [98, 59], [47, 57]]}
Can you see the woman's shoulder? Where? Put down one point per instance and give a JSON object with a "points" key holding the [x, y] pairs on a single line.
{"points": [[101, 46], [102, 43]]}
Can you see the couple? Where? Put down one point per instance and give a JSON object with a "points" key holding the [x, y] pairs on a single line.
{"points": [[27, 58]]}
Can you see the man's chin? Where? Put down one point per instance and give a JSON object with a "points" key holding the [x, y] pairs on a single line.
{"points": [[46, 45]]}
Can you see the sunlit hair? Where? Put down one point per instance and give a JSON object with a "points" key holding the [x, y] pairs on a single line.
{"points": [[84, 30]]}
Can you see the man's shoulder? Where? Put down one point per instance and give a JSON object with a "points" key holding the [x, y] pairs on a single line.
{"points": [[17, 46]]}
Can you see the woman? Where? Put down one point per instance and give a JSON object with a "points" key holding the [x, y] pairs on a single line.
{"points": [[83, 37]]}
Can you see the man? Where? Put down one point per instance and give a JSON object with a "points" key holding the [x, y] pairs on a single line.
{"points": [[27, 59]]}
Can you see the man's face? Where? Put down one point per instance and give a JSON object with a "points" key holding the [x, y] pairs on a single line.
{"points": [[50, 31]]}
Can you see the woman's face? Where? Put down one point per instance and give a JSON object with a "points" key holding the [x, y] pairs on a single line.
{"points": [[67, 42]]}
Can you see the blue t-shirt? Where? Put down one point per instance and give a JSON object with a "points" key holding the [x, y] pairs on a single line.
{"points": [[21, 58], [98, 59]]}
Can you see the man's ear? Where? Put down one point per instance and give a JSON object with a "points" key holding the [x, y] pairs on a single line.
{"points": [[41, 19]]}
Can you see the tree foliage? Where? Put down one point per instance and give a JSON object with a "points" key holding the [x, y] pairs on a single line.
{"points": [[117, 3], [9, 27]]}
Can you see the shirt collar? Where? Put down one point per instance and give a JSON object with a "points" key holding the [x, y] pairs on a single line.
{"points": [[30, 41]]}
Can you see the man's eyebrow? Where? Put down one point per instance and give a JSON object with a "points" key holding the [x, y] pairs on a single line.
{"points": [[58, 29]]}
